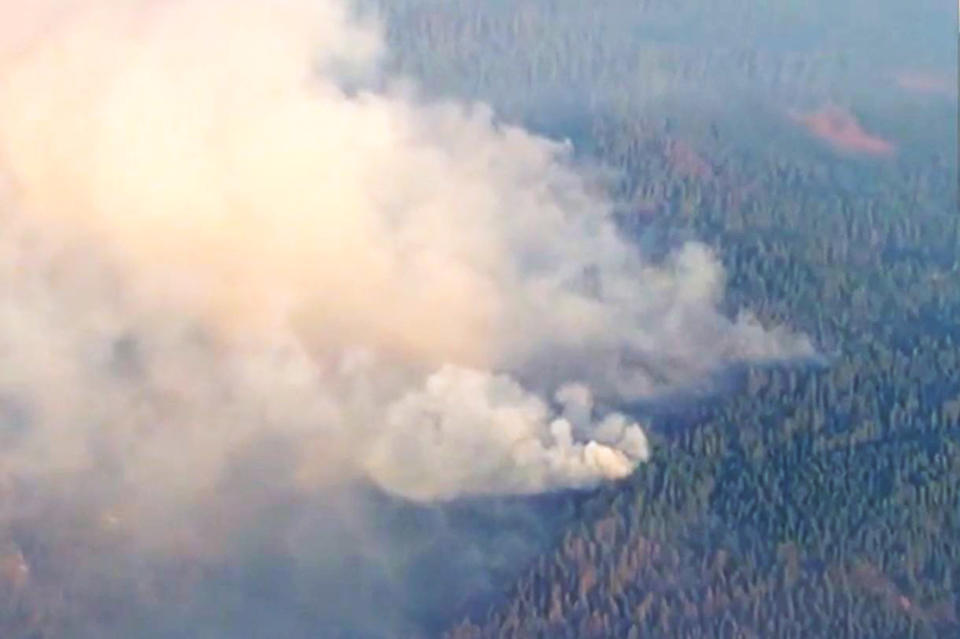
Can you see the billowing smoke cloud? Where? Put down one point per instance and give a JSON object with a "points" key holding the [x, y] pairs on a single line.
{"points": [[215, 232], [210, 237]]}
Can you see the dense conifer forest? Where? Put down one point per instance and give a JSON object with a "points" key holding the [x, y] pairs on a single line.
{"points": [[798, 500], [814, 502], [810, 501]]}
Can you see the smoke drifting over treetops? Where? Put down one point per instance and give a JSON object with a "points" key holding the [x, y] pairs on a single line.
{"points": [[212, 233]]}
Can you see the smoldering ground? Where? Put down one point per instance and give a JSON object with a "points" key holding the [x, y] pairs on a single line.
{"points": [[256, 297]]}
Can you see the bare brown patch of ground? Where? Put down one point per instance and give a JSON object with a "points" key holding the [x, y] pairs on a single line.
{"points": [[926, 82], [841, 130]]}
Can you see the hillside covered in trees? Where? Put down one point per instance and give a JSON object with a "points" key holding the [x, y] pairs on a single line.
{"points": [[812, 145], [811, 501], [814, 502]]}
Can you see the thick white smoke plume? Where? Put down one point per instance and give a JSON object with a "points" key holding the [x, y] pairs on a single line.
{"points": [[210, 234]]}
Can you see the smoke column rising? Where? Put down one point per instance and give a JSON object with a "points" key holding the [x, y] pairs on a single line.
{"points": [[205, 158], [212, 234]]}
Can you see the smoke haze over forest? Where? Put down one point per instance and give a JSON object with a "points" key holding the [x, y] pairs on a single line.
{"points": [[275, 315]]}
